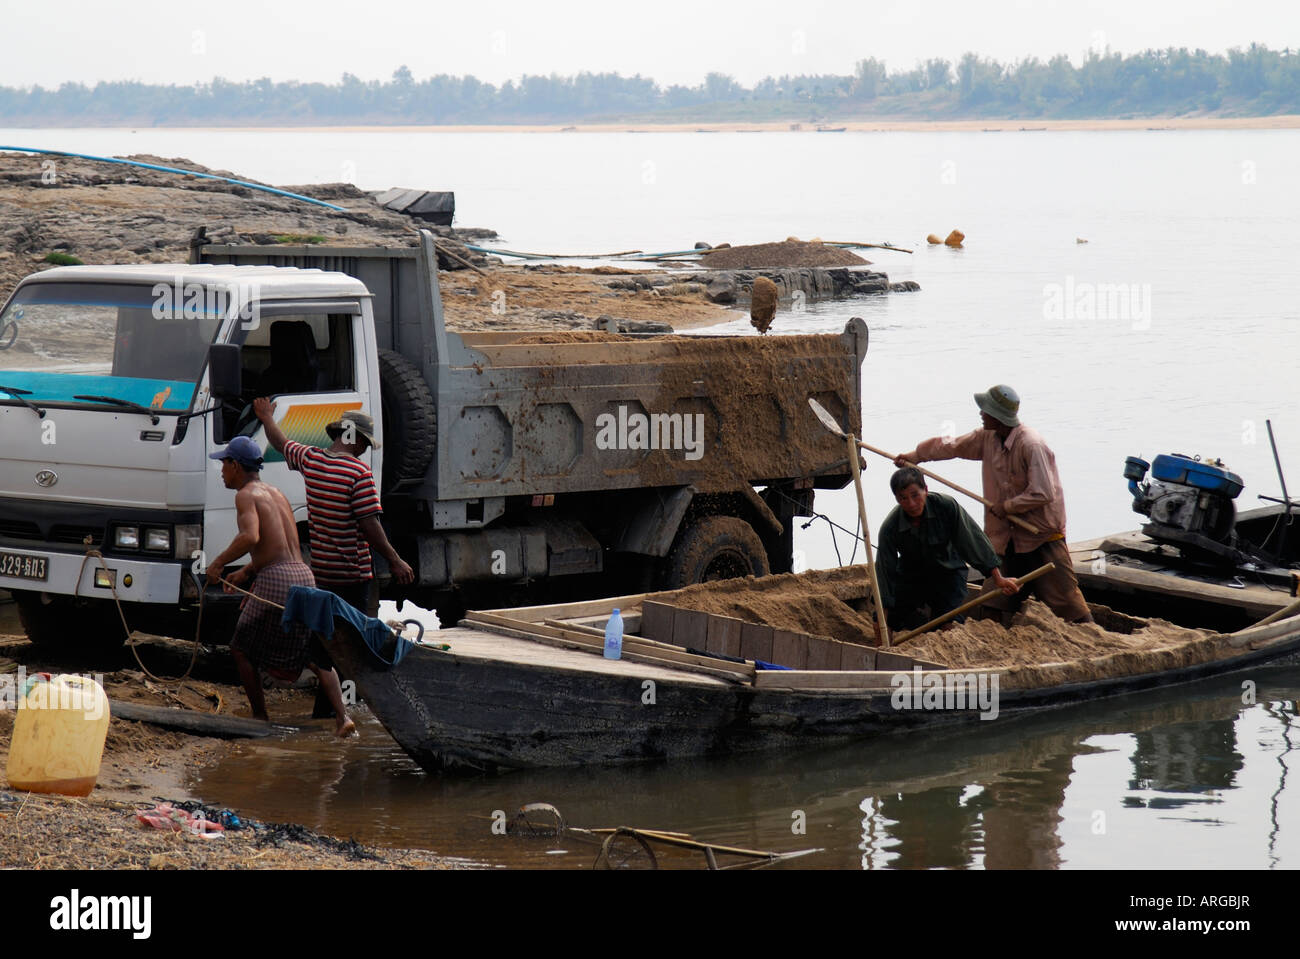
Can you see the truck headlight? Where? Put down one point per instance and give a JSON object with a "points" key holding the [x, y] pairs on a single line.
{"points": [[158, 540], [189, 539], [127, 537]]}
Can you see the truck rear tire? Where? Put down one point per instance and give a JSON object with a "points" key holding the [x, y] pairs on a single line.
{"points": [[712, 548], [410, 420], [64, 624]]}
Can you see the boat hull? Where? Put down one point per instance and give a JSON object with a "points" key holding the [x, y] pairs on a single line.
{"points": [[488, 710]]}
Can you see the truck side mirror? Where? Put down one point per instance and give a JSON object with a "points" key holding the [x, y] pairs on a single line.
{"points": [[225, 378], [225, 382]]}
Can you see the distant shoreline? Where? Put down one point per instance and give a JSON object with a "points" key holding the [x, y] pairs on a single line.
{"points": [[1278, 122]]}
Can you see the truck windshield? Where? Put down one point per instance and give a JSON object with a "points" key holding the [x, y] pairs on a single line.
{"points": [[60, 340]]}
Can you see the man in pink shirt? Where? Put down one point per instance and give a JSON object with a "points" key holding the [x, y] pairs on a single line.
{"points": [[1020, 479]]}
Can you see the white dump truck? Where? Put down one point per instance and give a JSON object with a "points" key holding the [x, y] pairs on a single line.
{"points": [[512, 466]]}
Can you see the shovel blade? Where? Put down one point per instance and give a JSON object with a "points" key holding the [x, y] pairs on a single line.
{"points": [[824, 415]]}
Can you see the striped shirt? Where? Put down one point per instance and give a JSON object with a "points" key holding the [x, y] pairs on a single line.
{"points": [[340, 492]]}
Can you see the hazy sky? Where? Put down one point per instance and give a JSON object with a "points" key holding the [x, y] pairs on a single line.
{"points": [[162, 41]]}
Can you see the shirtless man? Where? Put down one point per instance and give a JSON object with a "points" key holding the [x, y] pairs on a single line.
{"points": [[268, 535]]}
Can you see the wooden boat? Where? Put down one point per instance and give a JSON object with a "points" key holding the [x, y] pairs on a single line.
{"points": [[529, 687]]}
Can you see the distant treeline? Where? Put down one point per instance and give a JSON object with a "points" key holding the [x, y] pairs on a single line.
{"points": [[1255, 81]]}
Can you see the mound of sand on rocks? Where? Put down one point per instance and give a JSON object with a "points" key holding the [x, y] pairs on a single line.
{"points": [[787, 254]]}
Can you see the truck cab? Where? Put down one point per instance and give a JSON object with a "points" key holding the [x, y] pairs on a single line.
{"points": [[107, 419]]}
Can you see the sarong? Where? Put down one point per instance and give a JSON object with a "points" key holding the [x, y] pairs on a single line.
{"points": [[259, 634]]}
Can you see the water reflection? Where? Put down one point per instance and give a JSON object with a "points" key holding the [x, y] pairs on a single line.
{"points": [[1284, 714], [1186, 777]]}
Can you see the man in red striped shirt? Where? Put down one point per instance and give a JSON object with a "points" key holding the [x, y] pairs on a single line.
{"points": [[342, 505]]}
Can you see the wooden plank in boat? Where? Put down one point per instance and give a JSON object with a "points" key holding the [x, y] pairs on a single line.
{"points": [[756, 642], [575, 627], [822, 679], [631, 622], [631, 644], [666, 659], [823, 654], [657, 621], [789, 649], [894, 661], [593, 607], [855, 658], [834, 678], [520, 648], [494, 618], [1118, 577], [724, 635], [690, 628]]}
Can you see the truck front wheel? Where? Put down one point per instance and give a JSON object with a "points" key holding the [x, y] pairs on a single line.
{"points": [[715, 547], [54, 622]]}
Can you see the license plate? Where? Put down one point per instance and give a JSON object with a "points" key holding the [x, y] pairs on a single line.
{"points": [[24, 567]]}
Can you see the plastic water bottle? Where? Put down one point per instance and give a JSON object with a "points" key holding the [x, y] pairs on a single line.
{"points": [[614, 637]]}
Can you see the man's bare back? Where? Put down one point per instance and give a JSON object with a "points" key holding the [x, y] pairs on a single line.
{"points": [[264, 512]]}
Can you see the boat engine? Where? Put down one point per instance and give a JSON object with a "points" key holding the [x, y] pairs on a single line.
{"points": [[1190, 503]]}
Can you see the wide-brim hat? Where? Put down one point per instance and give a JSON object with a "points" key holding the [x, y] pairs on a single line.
{"points": [[362, 424], [1000, 402]]}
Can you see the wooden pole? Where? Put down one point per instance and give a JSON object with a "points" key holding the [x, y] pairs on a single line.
{"points": [[1023, 524], [459, 259], [969, 605], [866, 246], [866, 538], [1274, 616]]}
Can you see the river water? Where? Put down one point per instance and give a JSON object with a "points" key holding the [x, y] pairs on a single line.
{"points": [[1172, 329], [1191, 777]]}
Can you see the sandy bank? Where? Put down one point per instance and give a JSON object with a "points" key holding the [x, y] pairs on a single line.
{"points": [[143, 765]]}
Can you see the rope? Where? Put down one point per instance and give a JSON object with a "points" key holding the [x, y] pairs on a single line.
{"points": [[171, 169], [856, 535], [112, 584], [260, 599]]}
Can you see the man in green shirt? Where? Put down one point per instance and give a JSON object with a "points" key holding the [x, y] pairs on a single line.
{"points": [[925, 545]]}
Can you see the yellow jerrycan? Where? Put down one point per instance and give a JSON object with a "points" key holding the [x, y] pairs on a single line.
{"points": [[59, 735]]}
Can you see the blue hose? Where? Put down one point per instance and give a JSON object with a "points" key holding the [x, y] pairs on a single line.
{"points": [[172, 169]]}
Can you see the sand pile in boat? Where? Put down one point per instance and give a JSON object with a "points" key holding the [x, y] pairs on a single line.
{"points": [[1037, 636], [819, 603], [835, 604], [784, 255]]}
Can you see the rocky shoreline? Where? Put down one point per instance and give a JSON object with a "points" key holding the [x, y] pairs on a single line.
{"points": [[66, 210]]}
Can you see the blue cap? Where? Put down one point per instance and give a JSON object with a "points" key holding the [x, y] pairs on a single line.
{"points": [[243, 451]]}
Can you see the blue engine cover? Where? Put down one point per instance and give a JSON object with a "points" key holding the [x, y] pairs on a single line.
{"points": [[1175, 468]]}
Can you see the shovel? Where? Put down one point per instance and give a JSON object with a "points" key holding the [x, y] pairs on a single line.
{"points": [[829, 422], [853, 445], [971, 604]]}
